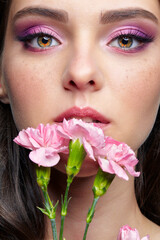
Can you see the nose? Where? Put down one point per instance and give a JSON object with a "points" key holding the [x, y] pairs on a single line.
{"points": [[82, 74]]}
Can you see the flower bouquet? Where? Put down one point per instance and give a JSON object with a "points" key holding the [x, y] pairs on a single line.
{"points": [[78, 139]]}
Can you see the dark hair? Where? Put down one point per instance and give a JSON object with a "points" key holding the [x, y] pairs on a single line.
{"points": [[19, 193], [4, 10], [147, 186]]}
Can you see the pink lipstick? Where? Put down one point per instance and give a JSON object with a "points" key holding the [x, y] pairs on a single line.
{"points": [[87, 114]]}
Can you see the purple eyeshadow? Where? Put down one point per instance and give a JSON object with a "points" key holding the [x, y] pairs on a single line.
{"points": [[38, 30], [142, 36], [130, 31], [142, 33]]}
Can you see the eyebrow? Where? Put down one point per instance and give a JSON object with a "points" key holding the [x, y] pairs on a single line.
{"points": [[56, 14], [122, 14], [105, 17]]}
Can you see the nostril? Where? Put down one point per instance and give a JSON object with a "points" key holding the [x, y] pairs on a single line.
{"points": [[75, 84], [91, 82], [72, 83]]}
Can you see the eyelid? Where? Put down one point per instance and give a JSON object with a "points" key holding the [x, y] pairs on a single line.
{"points": [[138, 34], [42, 29], [128, 31]]}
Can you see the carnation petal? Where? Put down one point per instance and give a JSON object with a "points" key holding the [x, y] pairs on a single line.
{"points": [[132, 172], [88, 149], [127, 233], [43, 158], [91, 136], [118, 170], [34, 143], [146, 238], [62, 133], [105, 165], [23, 139]]}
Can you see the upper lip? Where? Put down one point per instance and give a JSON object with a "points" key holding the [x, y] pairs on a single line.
{"points": [[82, 113]]}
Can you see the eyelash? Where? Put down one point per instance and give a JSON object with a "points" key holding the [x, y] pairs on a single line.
{"points": [[135, 35], [31, 37]]}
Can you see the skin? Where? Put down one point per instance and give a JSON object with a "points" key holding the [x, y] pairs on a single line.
{"points": [[125, 89]]}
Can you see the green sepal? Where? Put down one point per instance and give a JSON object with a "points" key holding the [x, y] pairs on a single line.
{"points": [[64, 206], [101, 183], [50, 211], [76, 156], [44, 211], [43, 176]]}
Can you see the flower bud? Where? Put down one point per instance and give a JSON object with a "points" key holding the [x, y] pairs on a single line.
{"points": [[43, 176], [101, 183], [76, 157], [127, 232]]}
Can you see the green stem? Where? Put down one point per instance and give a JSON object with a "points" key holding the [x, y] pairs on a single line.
{"points": [[64, 207], [48, 204], [86, 230], [90, 216], [61, 228], [54, 230], [45, 194]]}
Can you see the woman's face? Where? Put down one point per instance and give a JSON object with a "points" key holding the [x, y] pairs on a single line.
{"points": [[81, 56]]}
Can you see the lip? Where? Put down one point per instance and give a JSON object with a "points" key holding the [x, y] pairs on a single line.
{"points": [[87, 114]]}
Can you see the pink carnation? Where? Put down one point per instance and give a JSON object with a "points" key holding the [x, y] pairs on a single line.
{"points": [[127, 233], [90, 136], [117, 157], [45, 144]]}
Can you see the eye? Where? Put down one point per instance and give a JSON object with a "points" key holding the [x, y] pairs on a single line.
{"points": [[41, 42], [129, 40], [126, 42]]}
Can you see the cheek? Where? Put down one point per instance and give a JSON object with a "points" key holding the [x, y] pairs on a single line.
{"points": [[137, 99], [30, 89], [144, 91], [143, 94]]}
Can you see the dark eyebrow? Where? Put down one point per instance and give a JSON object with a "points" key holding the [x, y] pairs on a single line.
{"points": [[56, 14], [122, 14]]}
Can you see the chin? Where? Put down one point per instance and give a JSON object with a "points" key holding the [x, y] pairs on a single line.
{"points": [[89, 167]]}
